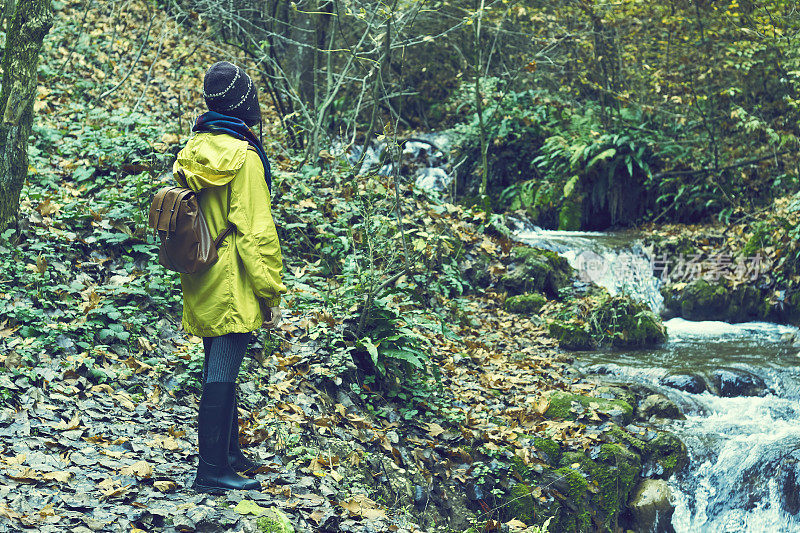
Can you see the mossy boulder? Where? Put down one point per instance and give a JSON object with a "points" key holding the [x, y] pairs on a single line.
{"points": [[632, 442], [572, 336], [580, 493], [616, 321], [658, 406], [536, 270], [748, 303], [704, 299], [568, 406], [550, 448], [475, 269], [616, 470], [662, 453], [666, 454], [521, 504], [617, 392], [524, 303], [698, 300], [626, 323], [575, 514]]}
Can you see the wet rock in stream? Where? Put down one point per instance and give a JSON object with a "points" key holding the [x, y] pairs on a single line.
{"points": [[658, 406], [685, 382], [651, 506], [734, 382]]}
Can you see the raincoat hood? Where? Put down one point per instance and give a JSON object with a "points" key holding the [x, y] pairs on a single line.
{"points": [[210, 160]]}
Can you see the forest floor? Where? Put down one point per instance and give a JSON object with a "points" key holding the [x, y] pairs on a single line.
{"points": [[104, 439], [90, 457]]}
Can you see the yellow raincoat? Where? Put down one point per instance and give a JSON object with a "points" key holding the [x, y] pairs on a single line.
{"points": [[234, 294]]}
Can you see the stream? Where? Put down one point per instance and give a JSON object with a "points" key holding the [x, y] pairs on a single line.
{"points": [[744, 468], [744, 450]]}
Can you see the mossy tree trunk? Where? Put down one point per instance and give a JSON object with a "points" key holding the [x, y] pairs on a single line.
{"points": [[26, 31]]}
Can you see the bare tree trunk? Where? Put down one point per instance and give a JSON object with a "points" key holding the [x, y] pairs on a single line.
{"points": [[30, 23], [478, 67]]}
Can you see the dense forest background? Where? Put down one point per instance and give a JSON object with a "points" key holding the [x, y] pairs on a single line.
{"points": [[678, 110], [420, 380]]}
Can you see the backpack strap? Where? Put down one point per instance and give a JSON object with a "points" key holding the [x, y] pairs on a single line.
{"points": [[157, 207], [223, 234], [173, 218]]}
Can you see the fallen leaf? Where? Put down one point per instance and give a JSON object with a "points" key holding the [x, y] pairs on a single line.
{"points": [[140, 469], [165, 486], [61, 477], [246, 507]]}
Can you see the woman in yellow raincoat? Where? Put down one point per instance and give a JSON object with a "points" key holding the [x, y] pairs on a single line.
{"points": [[225, 162]]}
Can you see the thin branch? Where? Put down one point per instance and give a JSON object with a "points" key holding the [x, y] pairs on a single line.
{"points": [[133, 64]]}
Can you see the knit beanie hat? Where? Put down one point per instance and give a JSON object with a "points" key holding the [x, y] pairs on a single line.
{"points": [[228, 89]]}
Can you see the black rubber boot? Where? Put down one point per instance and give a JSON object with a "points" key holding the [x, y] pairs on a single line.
{"points": [[214, 474], [236, 458]]}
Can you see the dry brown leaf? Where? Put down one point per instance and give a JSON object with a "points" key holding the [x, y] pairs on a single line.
{"points": [[140, 469], [62, 476], [360, 505], [25, 475], [165, 485], [74, 423], [434, 430]]}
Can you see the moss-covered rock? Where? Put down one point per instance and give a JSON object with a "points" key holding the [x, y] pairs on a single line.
{"points": [[524, 303], [572, 336], [584, 491], [614, 321], [575, 515], [550, 448], [536, 270], [701, 300], [616, 392], [595, 490], [274, 521], [520, 503], [662, 455], [616, 471], [658, 406], [630, 441], [704, 299], [665, 455], [561, 406], [475, 269], [627, 323]]}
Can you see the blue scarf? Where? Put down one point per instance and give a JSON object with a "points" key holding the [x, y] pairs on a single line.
{"points": [[214, 122]]}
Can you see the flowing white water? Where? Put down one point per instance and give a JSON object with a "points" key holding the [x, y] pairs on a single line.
{"points": [[424, 159], [744, 472]]}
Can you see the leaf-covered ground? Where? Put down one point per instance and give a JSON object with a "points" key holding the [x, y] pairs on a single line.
{"points": [[99, 385]]}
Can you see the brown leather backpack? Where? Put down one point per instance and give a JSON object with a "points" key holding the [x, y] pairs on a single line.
{"points": [[186, 243]]}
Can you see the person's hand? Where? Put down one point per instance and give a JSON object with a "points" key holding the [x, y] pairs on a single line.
{"points": [[273, 319]]}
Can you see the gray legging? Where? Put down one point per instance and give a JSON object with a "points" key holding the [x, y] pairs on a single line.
{"points": [[223, 357]]}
